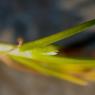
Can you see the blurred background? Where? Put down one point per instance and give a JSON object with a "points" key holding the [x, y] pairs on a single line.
{"points": [[31, 20]]}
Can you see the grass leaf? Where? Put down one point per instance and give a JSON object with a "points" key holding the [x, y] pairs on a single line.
{"points": [[58, 36]]}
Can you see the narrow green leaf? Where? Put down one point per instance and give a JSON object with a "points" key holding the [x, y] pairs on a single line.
{"points": [[49, 72], [58, 36]]}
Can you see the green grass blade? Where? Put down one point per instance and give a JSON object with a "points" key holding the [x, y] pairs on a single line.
{"points": [[62, 61], [58, 36], [49, 72], [56, 62]]}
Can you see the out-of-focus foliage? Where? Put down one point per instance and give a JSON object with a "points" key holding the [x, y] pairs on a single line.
{"points": [[32, 19], [42, 57]]}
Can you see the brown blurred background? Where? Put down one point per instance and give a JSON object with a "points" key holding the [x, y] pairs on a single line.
{"points": [[33, 19]]}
